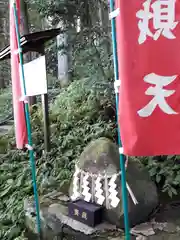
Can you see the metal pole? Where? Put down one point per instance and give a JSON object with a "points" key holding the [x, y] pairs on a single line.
{"points": [[28, 123], [121, 156]]}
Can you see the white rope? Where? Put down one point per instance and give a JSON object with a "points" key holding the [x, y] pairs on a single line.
{"points": [[121, 150], [24, 99], [114, 14], [117, 84], [17, 51], [95, 175], [30, 148], [131, 194]]}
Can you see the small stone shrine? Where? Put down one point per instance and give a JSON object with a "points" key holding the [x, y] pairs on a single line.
{"points": [[96, 181]]}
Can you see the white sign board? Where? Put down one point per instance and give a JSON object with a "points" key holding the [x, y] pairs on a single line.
{"points": [[35, 77]]}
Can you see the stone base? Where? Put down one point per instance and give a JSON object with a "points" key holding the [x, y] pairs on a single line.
{"points": [[56, 225]]}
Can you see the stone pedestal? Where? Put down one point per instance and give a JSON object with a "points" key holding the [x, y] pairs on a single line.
{"points": [[56, 225]]}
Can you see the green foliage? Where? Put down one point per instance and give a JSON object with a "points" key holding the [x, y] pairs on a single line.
{"points": [[81, 113], [5, 103], [89, 50], [92, 59], [165, 171], [63, 9]]}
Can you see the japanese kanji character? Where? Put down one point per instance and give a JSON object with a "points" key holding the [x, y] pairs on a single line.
{"points": [[159, 94], [76, 212], [84, 215], [163, 16]]}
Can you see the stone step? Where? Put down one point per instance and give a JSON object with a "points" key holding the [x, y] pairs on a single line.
{"points": [[56, 223]]}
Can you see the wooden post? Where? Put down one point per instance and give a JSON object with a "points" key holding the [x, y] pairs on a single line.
{"points": [[45, 108]]}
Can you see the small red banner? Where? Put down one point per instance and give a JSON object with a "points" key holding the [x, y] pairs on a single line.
{"points": [[18, 107]]}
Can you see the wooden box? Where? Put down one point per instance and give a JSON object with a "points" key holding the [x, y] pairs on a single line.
{"points": [[88, 213]]}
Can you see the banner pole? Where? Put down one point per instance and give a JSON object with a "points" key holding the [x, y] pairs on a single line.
{"points": [[28, 124], [121, 156]]}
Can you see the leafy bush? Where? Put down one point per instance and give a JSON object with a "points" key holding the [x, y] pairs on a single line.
{"points": [[81, 113], [91, 60], [165, 171]]}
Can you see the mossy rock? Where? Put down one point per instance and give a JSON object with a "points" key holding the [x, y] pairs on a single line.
{"points": [[102, 156], [99, 157]]}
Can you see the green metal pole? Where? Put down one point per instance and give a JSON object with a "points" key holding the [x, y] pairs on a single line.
{"points": [[28, 123], [122, 157]]}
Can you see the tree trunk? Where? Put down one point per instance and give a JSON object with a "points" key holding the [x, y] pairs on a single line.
{"points": [[63, 59]]}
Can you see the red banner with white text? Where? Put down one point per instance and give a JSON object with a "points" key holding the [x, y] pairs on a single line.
{"points": [[148, 43]]}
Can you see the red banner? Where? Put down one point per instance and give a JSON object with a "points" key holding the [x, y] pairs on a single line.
{"points": [[18, 107], [148, 42]]}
